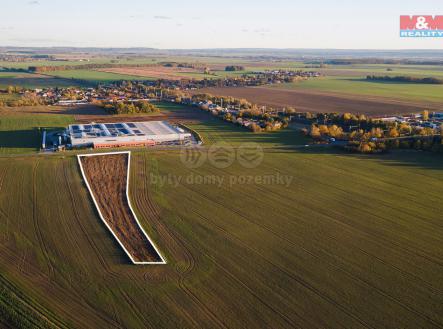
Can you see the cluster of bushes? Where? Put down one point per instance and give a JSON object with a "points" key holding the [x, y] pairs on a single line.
{"points": [[408, 79], [342, 120], [433, 144], [319, 131], [130, 107], [26, 100], [365, 147], [13, 90], [233, 68]]}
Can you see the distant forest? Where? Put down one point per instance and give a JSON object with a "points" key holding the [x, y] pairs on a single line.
{"points": [[351, 61], [409, 79]]}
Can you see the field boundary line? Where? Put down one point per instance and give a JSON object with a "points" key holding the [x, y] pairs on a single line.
{"points": [[79, 156]]}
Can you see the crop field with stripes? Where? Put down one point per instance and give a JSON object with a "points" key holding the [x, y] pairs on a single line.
{"points": [[351, 241]]}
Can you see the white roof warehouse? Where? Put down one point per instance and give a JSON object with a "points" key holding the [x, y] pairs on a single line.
{"points": [[105, 135]]}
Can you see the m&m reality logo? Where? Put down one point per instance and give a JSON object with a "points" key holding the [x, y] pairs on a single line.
{"points": [[421, 26]]}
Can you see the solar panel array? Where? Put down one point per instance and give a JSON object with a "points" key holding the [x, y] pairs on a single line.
{"points": [[153, 128]]}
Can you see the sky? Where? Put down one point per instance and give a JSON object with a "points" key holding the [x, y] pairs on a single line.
{"points": [[191, 24]]}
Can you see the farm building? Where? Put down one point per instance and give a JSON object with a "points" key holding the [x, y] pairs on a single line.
{"points": [[125, 134]]}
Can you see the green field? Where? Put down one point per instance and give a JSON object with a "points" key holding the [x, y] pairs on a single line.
{"points": [[93, 76], [359, 86], [382, 69], [344, 241], [21, 133], [104, 60], [323, 252], [127, 60], [29, 80]]}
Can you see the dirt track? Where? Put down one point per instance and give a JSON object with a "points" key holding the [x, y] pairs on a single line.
{"points": [[107, 175], [314, 101]]}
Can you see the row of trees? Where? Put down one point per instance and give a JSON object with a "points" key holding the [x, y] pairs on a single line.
{"points": [[408, 79], [402, 130], [181, 65], [433, 144], [245, 114], [233, 68], [378, 139], [238, 103], [319, 131], [261, 122], [345, 119]]}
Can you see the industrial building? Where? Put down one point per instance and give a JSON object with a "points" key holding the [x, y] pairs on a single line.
{"points": [[125, 134]]}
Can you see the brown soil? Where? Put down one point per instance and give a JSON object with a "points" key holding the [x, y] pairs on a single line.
{"points": [[315, 101], [159, 72], [107, 175], [90, 113]]}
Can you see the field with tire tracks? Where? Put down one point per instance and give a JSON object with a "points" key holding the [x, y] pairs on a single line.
{"points": [[349, 243]]}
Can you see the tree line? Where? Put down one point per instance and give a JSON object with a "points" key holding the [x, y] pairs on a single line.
{"points": [[232, 68], [373, 136], [129, 107], [408, 79]]}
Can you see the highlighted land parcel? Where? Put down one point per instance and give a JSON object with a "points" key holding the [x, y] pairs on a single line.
{"points": [[107, 178]]}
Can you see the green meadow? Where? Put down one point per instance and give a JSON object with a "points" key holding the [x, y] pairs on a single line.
{"points": [[360, 86], [22, 133], [340, 241]]}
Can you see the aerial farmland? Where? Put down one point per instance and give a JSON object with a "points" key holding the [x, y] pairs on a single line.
{"points": [[158, 171]]}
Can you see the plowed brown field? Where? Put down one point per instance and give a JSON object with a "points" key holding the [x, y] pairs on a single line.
{"points": [[159, 72], [316, 101], [107, 179]]}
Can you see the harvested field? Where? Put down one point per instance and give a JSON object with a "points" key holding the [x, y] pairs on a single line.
{"points": [[159, 72], [87, 114], [91, 113], [317, 101], [107, 179]]}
